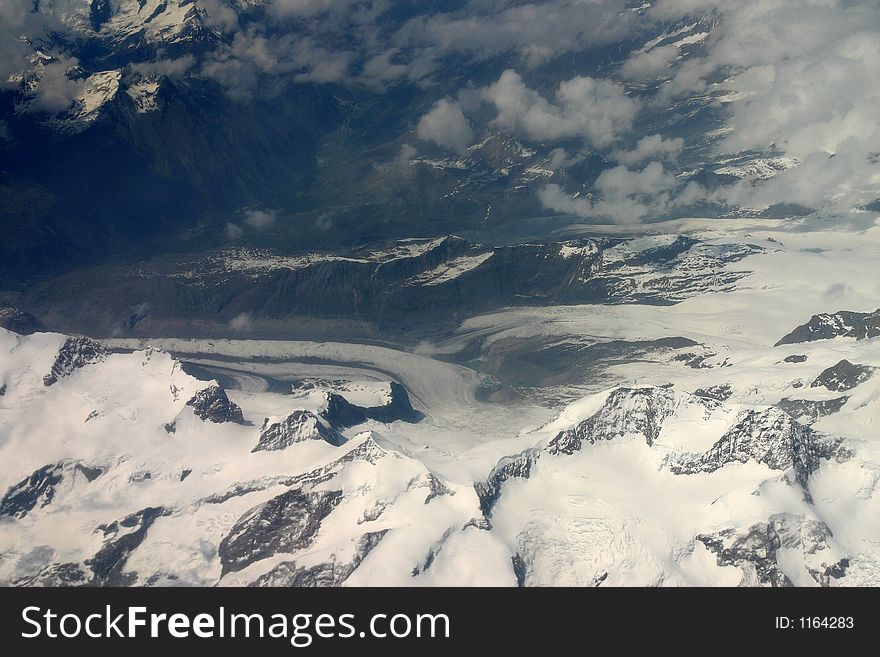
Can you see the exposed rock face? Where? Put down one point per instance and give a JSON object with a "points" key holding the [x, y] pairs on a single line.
{"points": [[18, 321], [718, 393], [74, 353], [669, 272], [422, 280], [296, 427], [107, 566], [767, 436], [59, 574], [399, 408], [795, 358], [40, 488], [843, 323], [341, 413], [212, 404], [285, 523], [755, 551], [843, 376], [100, 11], [122, 538], [808, 410], [330, 573], [519, 466], [626, 411], [519, 569]]}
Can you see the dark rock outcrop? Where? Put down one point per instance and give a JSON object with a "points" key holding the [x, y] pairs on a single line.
{"points": [[514, 467], [843, 376], [626, 411], [285, 523], [212, 404], [297, 427], [122, 538], [74, 354], [810, 410], [57, 575], [755, 550], [341, 413], [326, 574], [18, 321], [719, 393], [768, 436], [519, 569], [398, 408], [41, 486], [100, 11], [843, 323]]}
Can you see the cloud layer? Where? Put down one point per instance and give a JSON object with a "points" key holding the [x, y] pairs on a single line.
{"points": [[599, 111], [793, 77]]}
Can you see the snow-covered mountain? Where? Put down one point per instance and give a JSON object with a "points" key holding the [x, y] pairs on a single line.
{"points": [[719, 459], [167, 480]]}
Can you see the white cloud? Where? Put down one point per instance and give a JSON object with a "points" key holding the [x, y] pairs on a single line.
{"points": [[172, 68], [559, 159], [805, 72], [260, 219], [407, 153], [252, 56], [383, 68], [650, 65], [356, 42], [56, 90], [621, 181], [219, 14], [19, 28], [241, 322], [232, 231], [533, 31], [446, 126], [624, 195], [596, 110], [652, 147]]}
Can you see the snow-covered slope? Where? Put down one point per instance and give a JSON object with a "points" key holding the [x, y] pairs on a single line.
{"points": [[124, 470], [651, 486], [129, 471]]}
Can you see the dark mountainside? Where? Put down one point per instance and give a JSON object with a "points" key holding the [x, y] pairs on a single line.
{"points": [[127, 174]]}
